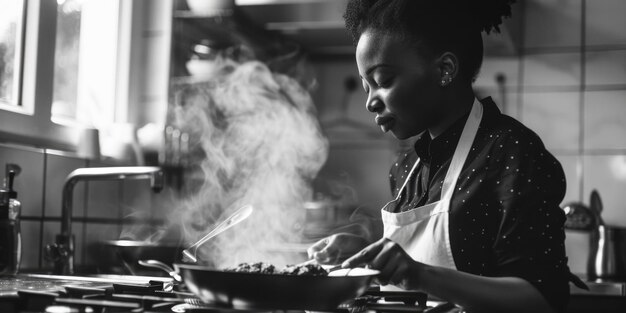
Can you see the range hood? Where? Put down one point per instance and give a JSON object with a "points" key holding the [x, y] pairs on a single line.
{"points": [[317, 25]]}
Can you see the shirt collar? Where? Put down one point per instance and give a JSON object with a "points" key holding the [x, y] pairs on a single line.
{"points": [[442, 145]]}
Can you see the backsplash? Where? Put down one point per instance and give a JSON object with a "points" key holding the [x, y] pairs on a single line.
{"points": [[100, 208]]}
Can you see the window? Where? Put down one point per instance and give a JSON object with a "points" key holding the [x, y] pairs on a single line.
{"points": [[11, 33], [49, 88], [85, 62], [74, 64]]}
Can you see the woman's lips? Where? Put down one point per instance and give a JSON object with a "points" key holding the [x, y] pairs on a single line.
{"points": [[385, 123]]}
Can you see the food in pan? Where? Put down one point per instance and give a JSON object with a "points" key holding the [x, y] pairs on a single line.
{"points": [[258, 267], [266, 268], [304, 270]]}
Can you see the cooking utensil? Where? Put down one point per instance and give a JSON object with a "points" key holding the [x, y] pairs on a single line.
{"points": [[274, 291], [241, 214]]}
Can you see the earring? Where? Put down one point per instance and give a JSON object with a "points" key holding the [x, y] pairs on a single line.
{"points": [[446, 79]]}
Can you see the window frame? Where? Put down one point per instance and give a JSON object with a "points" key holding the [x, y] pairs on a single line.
{"points": [[30, 122], [17, 71]]}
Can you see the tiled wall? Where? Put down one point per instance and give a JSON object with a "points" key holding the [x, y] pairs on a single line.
{"points": [[567, 83], [100, 208]]}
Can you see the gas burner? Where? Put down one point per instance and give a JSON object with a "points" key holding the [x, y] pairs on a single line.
{"points": [[148, 296]]}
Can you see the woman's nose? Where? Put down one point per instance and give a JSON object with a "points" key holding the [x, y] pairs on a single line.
{"points": [[374, 105]]}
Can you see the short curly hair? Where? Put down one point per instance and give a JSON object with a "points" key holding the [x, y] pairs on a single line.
{"points": [[435, 25]]}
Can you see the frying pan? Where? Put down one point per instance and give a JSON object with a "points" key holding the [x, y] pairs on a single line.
{"points": [[243, 290]]}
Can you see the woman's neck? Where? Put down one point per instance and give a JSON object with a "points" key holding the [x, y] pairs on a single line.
{"points": [[457, 101]]}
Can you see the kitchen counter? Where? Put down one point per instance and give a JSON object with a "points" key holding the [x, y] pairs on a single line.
{"points": [[9, 285], [600, 288], [602, 297]]}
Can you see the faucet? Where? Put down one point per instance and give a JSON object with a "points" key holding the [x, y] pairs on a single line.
{"points": [[62, 251]]}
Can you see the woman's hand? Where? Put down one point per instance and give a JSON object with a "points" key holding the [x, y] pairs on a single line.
{"points": [[336, 248], [395, 265]]}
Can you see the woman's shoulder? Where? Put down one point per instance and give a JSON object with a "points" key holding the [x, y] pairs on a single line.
{"points": [[507, 133]]}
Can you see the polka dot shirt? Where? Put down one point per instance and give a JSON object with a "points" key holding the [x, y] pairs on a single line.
{"points": [[505, 218]]}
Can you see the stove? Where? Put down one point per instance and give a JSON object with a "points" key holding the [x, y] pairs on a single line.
{"points": [[144, 294]]}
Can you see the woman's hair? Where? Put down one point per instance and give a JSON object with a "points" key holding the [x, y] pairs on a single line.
{"points": [[434, 26]]}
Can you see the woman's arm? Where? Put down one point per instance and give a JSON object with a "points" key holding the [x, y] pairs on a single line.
{"points": [[472, 292], [481, 294]]}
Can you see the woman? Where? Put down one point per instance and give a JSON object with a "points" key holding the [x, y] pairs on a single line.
{"points": [[476, 218]]}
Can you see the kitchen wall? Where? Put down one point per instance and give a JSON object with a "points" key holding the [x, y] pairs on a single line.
{"points": [[101, 209], [567, 83]]}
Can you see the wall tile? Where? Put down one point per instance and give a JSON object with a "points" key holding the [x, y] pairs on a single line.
{"points": [[97, 234], [331, 96], [28, 183], [607, 174], [604, 116], [552, 23], [31, 245], [103, 196], [136, 198], [605, 22], [58, 167], [554, 117], [577, 250], [605, 67], [572, 166], [508, 103], [552, 70], [104, 199], [492, 66]]}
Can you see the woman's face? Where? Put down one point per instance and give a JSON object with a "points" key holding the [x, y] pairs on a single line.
{"points": [[402, 86]]}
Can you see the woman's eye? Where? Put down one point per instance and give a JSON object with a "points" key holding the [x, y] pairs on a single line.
{"points": [[384, 82]]}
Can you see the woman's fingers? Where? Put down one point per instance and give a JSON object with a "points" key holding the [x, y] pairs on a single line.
{"points": [[327, 250], [335, 248], [387, 257], [389, 261], [366, 255], [316, 247]]}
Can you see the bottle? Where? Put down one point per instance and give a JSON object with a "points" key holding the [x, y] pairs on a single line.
{"points": [[10, 235]]}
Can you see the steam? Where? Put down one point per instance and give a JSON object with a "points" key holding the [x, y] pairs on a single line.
{"points": [[254, 139]]}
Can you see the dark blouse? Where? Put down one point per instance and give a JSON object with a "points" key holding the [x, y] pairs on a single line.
{"points": [[505, 218]]}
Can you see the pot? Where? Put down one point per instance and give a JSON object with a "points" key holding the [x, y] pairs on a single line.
{"points": [[607, 255], [121, 256], [607, 244], [274, 291]]}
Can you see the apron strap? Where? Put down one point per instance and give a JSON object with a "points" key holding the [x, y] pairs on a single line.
{"points": [[460, 154], [462, 149]]}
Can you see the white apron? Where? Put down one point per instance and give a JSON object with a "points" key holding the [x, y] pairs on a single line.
{"points": [[423, 231]]}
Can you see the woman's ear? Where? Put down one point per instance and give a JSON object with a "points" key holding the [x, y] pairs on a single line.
{"points": [[448, 67]]}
